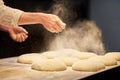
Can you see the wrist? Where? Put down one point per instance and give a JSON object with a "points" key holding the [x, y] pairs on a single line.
{"points": [[40, 18], [4, 28]]}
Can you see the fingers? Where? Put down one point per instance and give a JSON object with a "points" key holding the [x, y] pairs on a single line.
{"points": [[18, 34], [22, 30], [52, 23], [21, 37], [21, 34], [61, 24], [58, 25], [54, 27]]}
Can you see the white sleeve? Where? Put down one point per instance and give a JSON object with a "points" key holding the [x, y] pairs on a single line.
{"points": [[9, 16]]}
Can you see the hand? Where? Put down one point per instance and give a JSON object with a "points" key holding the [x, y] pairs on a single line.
{"points": [[52, 23], [18, 34]]}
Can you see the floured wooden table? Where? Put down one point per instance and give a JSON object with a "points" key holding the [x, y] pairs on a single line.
{"points": [[11, 70]]}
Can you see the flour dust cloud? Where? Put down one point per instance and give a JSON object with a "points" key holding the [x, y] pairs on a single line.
{"points": [[81, 35]]}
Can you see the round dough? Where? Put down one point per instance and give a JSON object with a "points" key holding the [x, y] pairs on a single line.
{"points": [[116, 55], [50, 54], [106, 60], [68, 52], [49, 65], [84, 55], [29, 58], [88, 65], [68, 60]]}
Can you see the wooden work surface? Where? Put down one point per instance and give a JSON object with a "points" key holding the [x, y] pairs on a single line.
{"points": [[11, 70]]}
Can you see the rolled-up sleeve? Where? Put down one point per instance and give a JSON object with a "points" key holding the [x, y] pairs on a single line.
{"points": [[8, 15]]}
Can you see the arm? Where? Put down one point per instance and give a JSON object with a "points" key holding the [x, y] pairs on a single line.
{"points": [[11, 18], [49, 21], [15, 17]]}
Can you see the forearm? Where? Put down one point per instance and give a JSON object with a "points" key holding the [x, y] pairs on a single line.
{"points": [[30, 18]]}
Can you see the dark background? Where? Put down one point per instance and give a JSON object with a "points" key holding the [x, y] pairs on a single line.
{"points": [[38, 37], [106, 13]]}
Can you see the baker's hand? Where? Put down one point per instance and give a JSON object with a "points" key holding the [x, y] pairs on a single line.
{"points": [[52, 23], [18, 34]]}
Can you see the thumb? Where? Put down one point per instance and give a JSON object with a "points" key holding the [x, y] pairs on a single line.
{"points": [[22, 30]]}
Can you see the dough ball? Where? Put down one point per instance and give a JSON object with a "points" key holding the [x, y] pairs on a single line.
{"points": [[84, 55], [106, 60], [29, 58], [67, 52], [88, 65], [68, 60], [116, 55], [50, 54], [49, 65]]}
